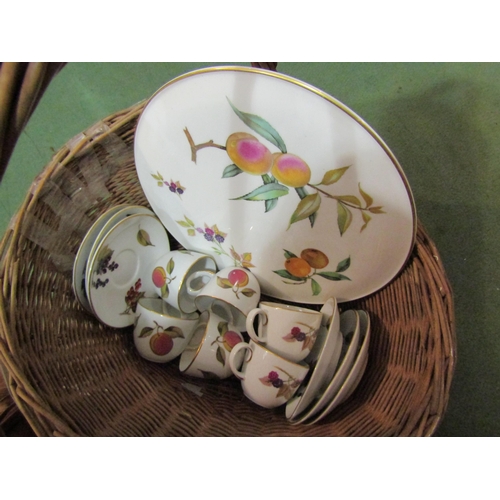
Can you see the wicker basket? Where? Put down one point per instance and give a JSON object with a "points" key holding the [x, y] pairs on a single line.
{"points": [[22, 85], [70, 375]]}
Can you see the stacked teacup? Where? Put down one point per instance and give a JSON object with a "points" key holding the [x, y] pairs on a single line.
{"points": [[281, 338], [199, 314]]}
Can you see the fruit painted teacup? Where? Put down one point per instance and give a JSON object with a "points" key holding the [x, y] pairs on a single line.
{"points": [[232, 293], [287, 330], [161, 332], [207, 354], [172, 271], [267, 379]]}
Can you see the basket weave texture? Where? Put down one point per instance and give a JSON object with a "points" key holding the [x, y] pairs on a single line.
{"points": [[72, 376]]}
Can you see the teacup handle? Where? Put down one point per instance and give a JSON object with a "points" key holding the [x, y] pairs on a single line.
{"points": [[199, 277], [232, 358], [249, 324]]}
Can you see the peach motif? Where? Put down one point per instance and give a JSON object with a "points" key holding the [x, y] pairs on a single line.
{"points": [[161, 343], [238, 278], [248, 153], [159, 276], [230, 339], [290, 170]]}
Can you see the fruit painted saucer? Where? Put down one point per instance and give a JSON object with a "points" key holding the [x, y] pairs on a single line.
{"points": [[124, 212], [323, 365], [266, 172], [358, 368], [119, 273], [350, 328], [83, 254]]}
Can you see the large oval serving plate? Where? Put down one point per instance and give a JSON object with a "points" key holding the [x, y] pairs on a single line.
{"points": [[334, 217]]}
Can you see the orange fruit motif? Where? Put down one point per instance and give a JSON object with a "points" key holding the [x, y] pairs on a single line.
{"points": [[290, 170], [298, 267], [315, 258], [248, 153]]}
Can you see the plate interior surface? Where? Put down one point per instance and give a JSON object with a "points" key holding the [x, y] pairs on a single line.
{"points": [[330, 214]]}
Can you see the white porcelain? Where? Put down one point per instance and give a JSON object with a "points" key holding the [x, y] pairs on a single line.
{"points": [[179, 275], [357, 371], [350, 329], [83, 254], [267, 379], [287, 330], [161, 332], [119, 273], [115, 218], [354, 217], [232, 293], [207, 353], [323, 360]]}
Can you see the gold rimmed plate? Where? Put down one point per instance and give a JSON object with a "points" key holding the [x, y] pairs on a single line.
{"points": [[269, 173]]}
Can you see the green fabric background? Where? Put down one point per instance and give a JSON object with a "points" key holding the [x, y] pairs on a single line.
{"points": [[441, 120]]}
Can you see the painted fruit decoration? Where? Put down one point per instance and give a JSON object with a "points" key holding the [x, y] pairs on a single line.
{"points": [[161, 343], [159, 276], [282, 380], [282, 172], [290, 170], [309, 266], [161, 340], [248, 154], [132, 297], [224, 344], [302, 333], [162, 277], [226, 340], [214, 235], [237, 280]]}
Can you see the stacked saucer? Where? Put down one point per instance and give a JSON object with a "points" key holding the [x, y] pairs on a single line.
{"points": [[338, 369], [112, 266]]}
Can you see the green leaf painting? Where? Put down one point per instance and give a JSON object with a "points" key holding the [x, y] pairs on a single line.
{"points": [[265, 192], [261, 126], [282, 173], [309, 266]]}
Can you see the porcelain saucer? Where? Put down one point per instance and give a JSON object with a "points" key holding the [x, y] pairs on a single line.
{"points": [[357, 370], [119, 274], [116, 217], [323, 361], [83, 254], [350, 329]]}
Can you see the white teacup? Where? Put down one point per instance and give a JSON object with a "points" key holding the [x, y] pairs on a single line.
{"points": [[161, 332], [207, 354], [172, 271], [287, 330], [267, 379], [232, 293]]}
